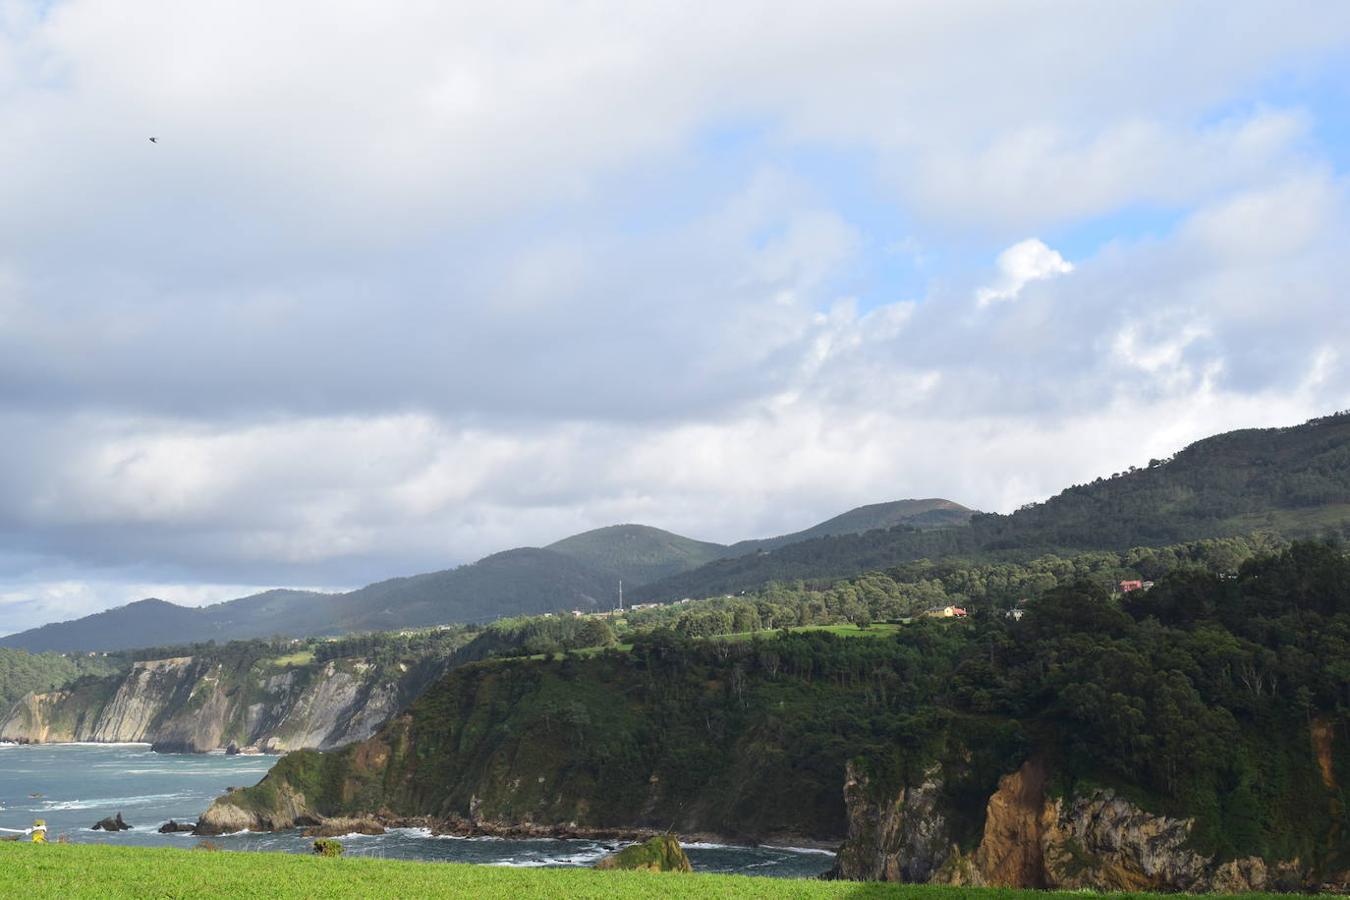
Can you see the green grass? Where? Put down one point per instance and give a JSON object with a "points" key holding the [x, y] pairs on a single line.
{"points": [[872, 631], [299, 658], [104, 872], [853, 631]]}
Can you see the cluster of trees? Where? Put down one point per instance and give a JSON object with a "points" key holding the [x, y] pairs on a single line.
{"points": [[1198, 695], [22, 672], [535, 635], [904, 591], [388, 647]]}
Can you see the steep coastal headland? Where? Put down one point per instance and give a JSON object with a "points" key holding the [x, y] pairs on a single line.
{"points": [[1154, 742]]}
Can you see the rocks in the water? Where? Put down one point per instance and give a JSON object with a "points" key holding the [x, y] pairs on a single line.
{"points": [[172, 827], [228, 814], [662, 853], [331, 828], [232, 749], [177, 745], [112, 823]]}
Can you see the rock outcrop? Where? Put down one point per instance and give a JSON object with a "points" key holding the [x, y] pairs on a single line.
{"points": [[662, 853], [112, 823], [173, 827], [903, 838], [1095, 841], [340, 826], [286, 809]]}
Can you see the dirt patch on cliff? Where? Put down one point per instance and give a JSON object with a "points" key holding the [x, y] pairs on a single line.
{"points": [[1010, 850], [1323, 740]]}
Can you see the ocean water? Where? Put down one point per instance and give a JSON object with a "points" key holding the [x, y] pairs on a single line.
{"points": [[79, 784]]}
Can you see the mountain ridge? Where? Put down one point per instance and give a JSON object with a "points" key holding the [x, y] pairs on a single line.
{"points": [[577, 572]]}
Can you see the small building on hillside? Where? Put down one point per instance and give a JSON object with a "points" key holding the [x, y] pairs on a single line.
{"points": [[945, 612], [1127, 586]]}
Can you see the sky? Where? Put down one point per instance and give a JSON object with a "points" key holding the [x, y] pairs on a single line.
{"points": [[400, 284]]}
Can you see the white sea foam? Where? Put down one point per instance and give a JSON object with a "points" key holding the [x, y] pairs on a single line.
{"points": [[99, 802], [412, 832], [818, 850], [707, 845], [569, 859]]}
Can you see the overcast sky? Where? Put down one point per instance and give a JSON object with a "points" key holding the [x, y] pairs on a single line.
{"points": [[401, 284]]}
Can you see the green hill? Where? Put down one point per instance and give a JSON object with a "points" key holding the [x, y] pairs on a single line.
{"points": [[1294, 482], [637, 553], [514, 582], [931, 513]]}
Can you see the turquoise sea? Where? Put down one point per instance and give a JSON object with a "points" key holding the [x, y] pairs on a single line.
{"points": [[72, 786]]}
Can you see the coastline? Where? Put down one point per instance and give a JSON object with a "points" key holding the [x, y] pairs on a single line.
{"points": [[462, 828], [152, 745]]}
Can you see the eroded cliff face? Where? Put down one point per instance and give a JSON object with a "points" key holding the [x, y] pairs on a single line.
{"points": [[904, 838], [1094, 841], [35, 718], [187, 704]]}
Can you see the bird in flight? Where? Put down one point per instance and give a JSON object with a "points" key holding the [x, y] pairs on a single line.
{"points": [[154, 140]]}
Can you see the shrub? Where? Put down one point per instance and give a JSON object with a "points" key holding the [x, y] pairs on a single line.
{"points": [[327, 847]]}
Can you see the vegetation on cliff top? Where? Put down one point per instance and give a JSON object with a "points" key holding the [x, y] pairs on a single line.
{"points": [[22, 672], [94, 872], [1197, 698]]}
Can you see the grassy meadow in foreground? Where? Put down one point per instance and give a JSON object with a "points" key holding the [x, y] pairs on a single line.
{"points": [[94, 871]]}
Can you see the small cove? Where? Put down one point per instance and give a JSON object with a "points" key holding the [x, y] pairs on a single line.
{"points": [[79, 784]]}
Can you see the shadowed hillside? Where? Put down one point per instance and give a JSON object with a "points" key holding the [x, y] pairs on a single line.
{"points": [[637, 553]]}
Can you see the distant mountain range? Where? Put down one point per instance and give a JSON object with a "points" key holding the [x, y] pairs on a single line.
{"points": [[1293, 482], [578, 572]]}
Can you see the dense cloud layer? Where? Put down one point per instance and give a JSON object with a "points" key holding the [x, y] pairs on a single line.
{"points": [[394, 291]]}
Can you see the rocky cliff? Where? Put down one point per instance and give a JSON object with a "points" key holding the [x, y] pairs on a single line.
{"points": [[197, 704], [1090, 840]]}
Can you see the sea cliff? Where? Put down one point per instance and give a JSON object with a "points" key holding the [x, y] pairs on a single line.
{"points": [[1034, 837], [201, 703]]}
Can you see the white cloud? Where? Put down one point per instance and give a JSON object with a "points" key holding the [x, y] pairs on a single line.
{"points": [[394, 291], [1022, 263]]}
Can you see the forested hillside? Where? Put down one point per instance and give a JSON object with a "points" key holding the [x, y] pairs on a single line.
{"points": [[637, 553], [917, 514], [22, 672], [1289, 481], [1218, 698]]}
